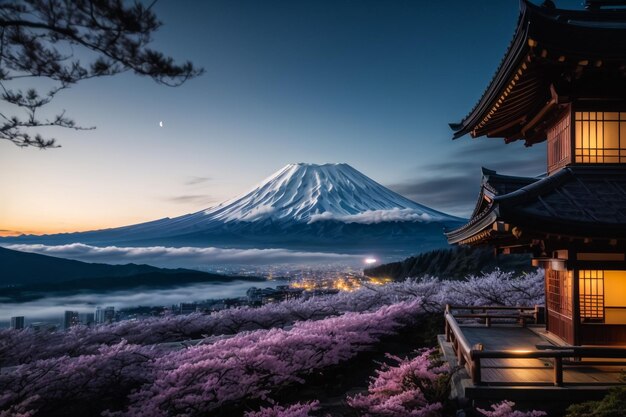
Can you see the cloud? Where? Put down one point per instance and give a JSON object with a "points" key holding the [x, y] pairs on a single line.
{"points": [[191, 198], [187, 257], [452, 185], [257, 213], [470, 156], [197, 180], [375, 216], [454, 195]]}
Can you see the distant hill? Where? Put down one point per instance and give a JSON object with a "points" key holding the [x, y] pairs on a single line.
{"points": [[453, 263], [23, 268]]}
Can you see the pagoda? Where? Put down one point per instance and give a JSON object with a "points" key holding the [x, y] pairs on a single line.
{"points": [[562, 80]]}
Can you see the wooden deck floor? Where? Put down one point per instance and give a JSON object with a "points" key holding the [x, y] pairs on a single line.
{"points": [[526, 378], [514, 372], [502, 337]]}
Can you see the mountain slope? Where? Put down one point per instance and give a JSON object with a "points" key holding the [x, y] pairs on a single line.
{"points": [[302, 206], [305, 192]]}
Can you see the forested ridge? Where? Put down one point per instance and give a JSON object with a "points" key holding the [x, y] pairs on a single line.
{"points": [[454, 263]]}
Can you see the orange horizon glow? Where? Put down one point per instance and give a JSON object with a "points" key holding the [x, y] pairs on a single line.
{"points": [[42, 228], [12, 231]]}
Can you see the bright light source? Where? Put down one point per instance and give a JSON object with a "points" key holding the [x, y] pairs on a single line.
{"points": [[370, 261]]}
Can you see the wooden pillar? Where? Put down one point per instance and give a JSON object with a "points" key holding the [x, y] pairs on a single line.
{"points": [[545, 297], [475, 364], [476, 375], [558, 371], [575, 309]]}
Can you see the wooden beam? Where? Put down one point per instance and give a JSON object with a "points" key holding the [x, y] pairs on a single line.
{"points": [[545, 109], [506, 127]]}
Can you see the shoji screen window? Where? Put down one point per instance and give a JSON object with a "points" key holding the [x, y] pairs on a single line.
{"points": [[600, 137]]}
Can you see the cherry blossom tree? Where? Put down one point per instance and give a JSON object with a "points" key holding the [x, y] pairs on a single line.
{"points": [[133, 380], [415, 387], [505, 409], [75, 386], [496, 288], [295, 410], [201, 363], [195, 381]]}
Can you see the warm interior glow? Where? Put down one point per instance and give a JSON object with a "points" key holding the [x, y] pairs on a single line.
{"points": [[602, 296], [591, 290], [615, 297], [600, 137]]}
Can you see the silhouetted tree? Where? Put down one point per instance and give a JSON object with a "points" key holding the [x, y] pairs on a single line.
{"points": [[67, 41]]}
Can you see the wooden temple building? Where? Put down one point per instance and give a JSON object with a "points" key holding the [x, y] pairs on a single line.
{"points": [[562, 80]]}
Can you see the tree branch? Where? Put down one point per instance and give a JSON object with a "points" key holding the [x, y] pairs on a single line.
{"points": [[31, 31]]}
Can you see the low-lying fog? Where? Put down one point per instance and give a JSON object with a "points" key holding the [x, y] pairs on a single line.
{"points": [[52, 308]]}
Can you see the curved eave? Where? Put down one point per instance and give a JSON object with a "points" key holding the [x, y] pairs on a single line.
{"points": [[551, 220], [517, 49], [546, 43], [481, 210], [530, 191], [577, 202], [486, 211], [476, 226]]}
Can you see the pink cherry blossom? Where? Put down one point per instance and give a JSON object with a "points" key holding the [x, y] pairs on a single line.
{"points": [[505, 409]]}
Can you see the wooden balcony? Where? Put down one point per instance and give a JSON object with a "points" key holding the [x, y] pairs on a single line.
{"points": [[503, 353]]}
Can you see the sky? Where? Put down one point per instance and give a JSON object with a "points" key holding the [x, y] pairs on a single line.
{"points": [[370, 83]]}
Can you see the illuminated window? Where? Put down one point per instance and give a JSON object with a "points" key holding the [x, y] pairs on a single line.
{"points": [[600, 137], [615, 297], [591, 290], [602, 296]]}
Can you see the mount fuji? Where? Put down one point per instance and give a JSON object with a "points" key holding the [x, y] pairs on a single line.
{"points": [[326, 207]]}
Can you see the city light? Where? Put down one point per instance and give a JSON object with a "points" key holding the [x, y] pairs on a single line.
{"points": [[370, 261]]}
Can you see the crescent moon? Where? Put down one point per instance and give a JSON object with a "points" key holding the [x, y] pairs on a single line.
{"points": [[161, 124]]}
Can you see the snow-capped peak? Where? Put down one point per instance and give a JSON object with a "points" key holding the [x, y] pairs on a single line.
{"points": [[310, 193]]}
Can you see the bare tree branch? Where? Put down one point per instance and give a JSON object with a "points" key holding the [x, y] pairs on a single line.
{"points": [[37, 40]]}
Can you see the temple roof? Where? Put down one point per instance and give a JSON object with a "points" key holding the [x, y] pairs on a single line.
{"points": [[575, 202], [554, 56]]}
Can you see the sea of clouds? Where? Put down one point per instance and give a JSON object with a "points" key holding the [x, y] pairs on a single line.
{"points": [[188, 257], [375, 216]]}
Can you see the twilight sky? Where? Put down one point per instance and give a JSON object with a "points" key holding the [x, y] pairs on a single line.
{"points": [[370, 83]]}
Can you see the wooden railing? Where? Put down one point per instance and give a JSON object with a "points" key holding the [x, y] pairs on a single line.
{"points": [[521, 314], [470, 357]]}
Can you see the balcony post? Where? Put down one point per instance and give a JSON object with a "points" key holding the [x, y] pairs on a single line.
{"points": [[558, 371]]}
